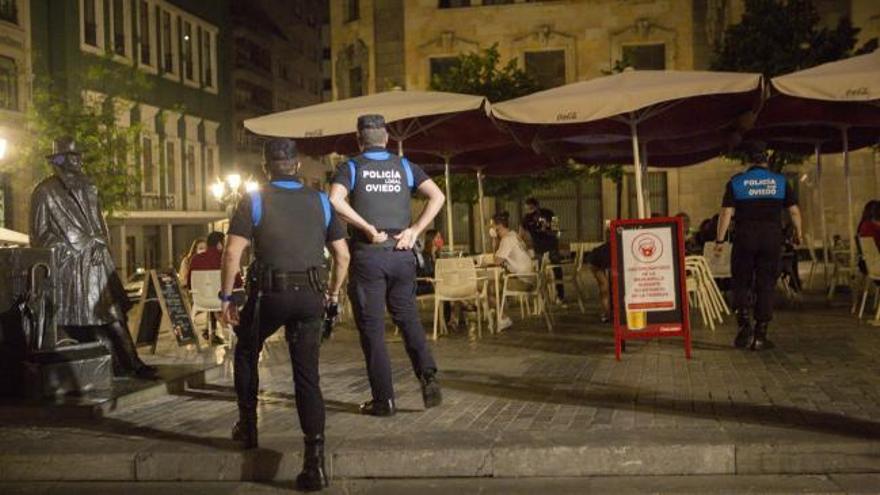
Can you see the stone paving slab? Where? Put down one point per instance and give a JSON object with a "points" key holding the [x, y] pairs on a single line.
{"points": [[523, 403]]}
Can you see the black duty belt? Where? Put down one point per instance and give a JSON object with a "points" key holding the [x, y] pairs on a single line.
{"points": [[283, 281]]}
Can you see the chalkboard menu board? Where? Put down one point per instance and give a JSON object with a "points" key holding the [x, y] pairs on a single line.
{"points": [[164, 307]]}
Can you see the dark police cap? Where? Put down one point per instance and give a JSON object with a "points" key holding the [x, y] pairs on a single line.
{"points": [[371, 121], [279, 149]]}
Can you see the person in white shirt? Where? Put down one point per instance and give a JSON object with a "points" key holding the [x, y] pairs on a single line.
{"points": [[512, 254]]}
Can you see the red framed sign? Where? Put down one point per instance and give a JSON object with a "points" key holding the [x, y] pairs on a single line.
{"points": [[648, 289]]}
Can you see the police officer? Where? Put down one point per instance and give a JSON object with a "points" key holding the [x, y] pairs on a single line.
{"points": [[756, 199], [383, 270], [289, 224]]}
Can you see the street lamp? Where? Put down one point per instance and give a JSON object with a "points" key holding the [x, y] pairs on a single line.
{"points": [[228, 191], [3, 145]]}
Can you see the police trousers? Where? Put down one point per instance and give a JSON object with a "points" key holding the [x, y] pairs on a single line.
{"points": [[301, 315], [757, 248], [380, 276]]}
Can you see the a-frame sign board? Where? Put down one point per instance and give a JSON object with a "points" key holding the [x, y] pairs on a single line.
{"points": [[164, 310]]}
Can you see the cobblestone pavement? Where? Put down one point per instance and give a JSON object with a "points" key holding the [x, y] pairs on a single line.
{"points": [[821, 377]]}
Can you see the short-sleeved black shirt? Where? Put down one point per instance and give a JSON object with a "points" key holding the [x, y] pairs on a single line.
{"points": [[759, 195], [242, 223]]}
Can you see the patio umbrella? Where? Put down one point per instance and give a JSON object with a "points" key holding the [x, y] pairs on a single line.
{"points": [[331, 127], [637, 105], [833, 107], [430, 121]]}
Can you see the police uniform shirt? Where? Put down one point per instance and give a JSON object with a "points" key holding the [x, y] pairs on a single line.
{"points": [[759, 195], [242, 221]]}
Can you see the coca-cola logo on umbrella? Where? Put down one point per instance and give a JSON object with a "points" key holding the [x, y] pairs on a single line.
{"points": [[647, 248]]}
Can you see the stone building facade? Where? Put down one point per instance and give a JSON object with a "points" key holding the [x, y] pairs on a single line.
{"points": [[382, 44], [16, 75], [186, 114], [277, 64]]}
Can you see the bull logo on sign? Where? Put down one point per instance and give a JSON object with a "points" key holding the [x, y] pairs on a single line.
{"points": [[647, 248]]}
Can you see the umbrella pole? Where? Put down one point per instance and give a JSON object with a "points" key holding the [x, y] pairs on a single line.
{"points": [[851, 227], [822, 221], [482, 213], [645, 188], [637, 164], [400, 148], [449, 233]]}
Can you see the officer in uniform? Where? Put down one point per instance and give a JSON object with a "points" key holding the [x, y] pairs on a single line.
{"points": [[756, 198], [383, 270], [289, 224]]}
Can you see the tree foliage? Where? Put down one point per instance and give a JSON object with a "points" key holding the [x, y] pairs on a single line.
{"points": [[776, 37], [483, 73], [86, 107]]}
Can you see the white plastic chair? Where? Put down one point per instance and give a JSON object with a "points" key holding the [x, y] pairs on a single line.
{"points": [[536, 291], [814, 248], [456, 280], [704, 292], [569, 275], [871, 255], [205, 285]]}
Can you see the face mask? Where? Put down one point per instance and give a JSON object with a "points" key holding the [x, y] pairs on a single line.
{"points": [[493, 233]]}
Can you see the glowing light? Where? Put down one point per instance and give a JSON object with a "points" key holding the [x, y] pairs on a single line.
{"points": [[251, 186], [3, 145], [218, 189], [234, 181]]}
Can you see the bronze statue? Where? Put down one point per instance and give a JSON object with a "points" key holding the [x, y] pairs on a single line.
{"points": [[90, 297]]}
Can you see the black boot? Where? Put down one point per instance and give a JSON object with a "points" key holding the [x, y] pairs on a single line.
{"points": [[382, 408], [745, 334], [760, 342], [313, 476], [126, 362], [245, 429], [431, 393]]}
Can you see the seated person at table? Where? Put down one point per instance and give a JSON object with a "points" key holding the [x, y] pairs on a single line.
{"points": [[513, 256], [599, 260]]}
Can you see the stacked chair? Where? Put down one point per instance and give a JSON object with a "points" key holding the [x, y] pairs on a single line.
{"points": [[703, 292]]}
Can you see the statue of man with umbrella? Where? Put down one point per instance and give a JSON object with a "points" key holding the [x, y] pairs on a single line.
{"points": [[91, 301]]}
